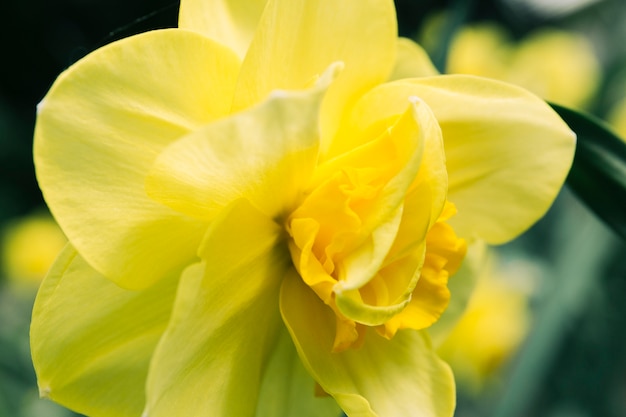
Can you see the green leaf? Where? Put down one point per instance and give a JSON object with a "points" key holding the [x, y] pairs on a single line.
{"points": [[598, 175]]}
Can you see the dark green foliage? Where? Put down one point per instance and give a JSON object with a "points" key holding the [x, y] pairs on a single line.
{"points": [[598, 175]]}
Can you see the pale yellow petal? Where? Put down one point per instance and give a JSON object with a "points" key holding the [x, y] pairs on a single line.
{"points": [[412, 61], [229, 22], [92, 341], [266, 154], [98, 131], [211, 359], [298, 39], [402, 377]]}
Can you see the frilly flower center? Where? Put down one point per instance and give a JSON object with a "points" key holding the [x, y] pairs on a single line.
{"points": [[332, 242]]}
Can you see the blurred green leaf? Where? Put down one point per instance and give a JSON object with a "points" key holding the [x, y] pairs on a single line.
{"points": [[598, 175]]}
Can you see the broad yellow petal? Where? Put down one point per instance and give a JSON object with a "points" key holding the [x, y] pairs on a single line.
{"points": [[229, 22], [382, 378], [411, 61], [298, 39], [91, 341], [98, 131], [507, 151], [287, 389], [266, 154], [211, 359]]}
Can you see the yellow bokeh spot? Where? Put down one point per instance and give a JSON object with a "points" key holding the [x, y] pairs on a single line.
{"points": [[493, 326], [557, 65], [484, 50], [30, 245]]}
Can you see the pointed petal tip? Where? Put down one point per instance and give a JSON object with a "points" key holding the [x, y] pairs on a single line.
{"points": [[415, 100], [331, 73]]}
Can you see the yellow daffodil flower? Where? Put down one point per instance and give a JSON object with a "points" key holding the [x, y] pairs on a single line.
{"points": [[267, 203]]}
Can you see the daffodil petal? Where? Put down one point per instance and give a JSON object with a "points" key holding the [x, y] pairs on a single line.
{"points": [[461, 286], [225, 321], [91, 340], [411, 61], [287, 389], [266, 154], [298, 39], [507, 152], [98, 131], [229, 22], [382, 378]]}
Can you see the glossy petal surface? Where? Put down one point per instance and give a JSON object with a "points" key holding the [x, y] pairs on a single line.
{"points": [[225, 321], [401, 377], [100, 128], [92, 341]]}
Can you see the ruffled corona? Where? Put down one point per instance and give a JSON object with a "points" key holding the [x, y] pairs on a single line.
{"points": [[424, 274], [391, 274]]}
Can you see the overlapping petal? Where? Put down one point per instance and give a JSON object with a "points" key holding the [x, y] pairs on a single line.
{"points": [[91, 341], [412, 61], [287, 389], [296, 40], [229, 22], [225, 321], [398, 377], [100, 128], [507, 152], [419, 124], [266, 153]]}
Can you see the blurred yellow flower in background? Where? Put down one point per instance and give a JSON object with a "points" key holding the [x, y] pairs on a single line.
{"points": [[557, 65], [492, 328], [484, 50], [29, 246]]}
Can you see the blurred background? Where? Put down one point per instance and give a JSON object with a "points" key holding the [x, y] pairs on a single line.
{"points": [[544, 332]]}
